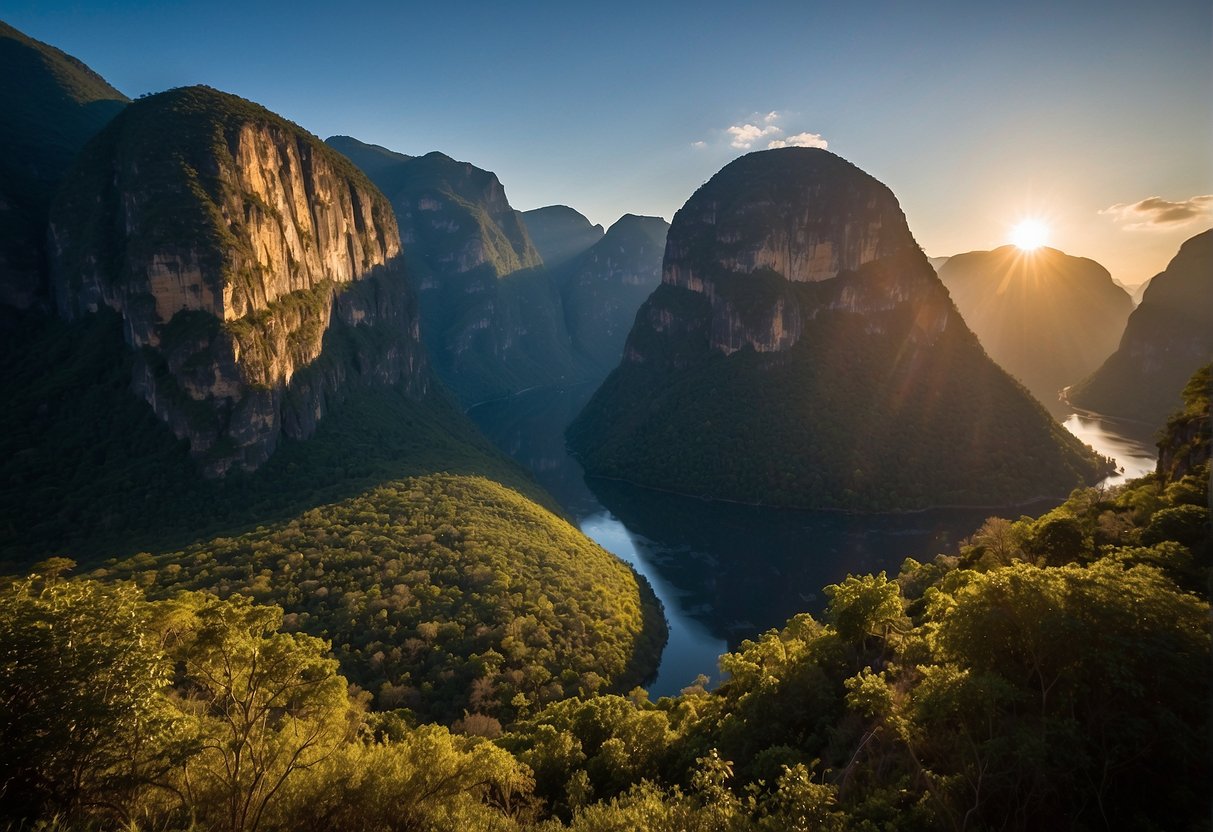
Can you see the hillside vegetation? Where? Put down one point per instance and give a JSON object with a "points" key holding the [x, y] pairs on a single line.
{"points": [[443, 594], [969, 691]]}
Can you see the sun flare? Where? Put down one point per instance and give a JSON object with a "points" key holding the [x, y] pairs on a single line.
{"points": [[1029, 235]]}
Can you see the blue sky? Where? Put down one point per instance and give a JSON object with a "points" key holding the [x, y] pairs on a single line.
{"points": [[974, 114]]}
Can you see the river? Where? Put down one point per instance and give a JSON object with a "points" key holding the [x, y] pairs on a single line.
{"points": [[727, 572]]}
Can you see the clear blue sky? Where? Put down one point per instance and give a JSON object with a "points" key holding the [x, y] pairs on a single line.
{"points": [[974, 114]]}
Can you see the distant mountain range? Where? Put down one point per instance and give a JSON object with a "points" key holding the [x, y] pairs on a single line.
{"points": [[500, 311], [560, 233], [1046, 317]]}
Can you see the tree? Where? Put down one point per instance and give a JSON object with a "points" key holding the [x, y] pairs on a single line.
{"points": [[267, 704], [83, 723], [865, 607], [428, 779]]}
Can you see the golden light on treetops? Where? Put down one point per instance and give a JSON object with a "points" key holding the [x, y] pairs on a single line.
{"points": [[1029, 234]]}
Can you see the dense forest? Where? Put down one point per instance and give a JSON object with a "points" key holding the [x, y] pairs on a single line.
{"points": [[888, 433], [1050, 667]]}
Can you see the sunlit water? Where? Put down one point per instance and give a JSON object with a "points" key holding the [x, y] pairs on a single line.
{"points": [[1133, 452], [727, 572]]}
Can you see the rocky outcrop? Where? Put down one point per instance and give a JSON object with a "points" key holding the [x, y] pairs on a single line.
{"points": [[801, 351], [602, 289], [1046, 317], [1168, 336], [746, 239], [250, 265], [50, 105], [491, 314], [560, 233]]}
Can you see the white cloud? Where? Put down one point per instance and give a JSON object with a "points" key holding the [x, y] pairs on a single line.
{"points": [[744, 135], [1154, 212], [800, 140], [762, 129]]}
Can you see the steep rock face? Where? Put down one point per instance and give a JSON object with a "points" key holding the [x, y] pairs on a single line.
{"points": [[1047, 318], [801, 351], [491, 315], [256, 271], [50, 105], [604, 287], [1168, 336], [560, 233]]}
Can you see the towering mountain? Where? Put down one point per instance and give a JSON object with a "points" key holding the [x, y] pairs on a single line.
{"points": [[248, 282], [801, 351], [1168, 336], [1046, 317], [603, 287], [490, 313], [50, 105], [256, 271], [560, 233]]}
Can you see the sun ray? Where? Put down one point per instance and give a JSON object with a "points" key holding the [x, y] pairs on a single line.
{"points": [[1029, 234]]}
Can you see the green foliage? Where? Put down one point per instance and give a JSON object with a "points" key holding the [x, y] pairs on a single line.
{"points": [[82, 722], [442, 593], [101, 487], [847, 418], [198, 713], [264, 704], [429, 779]]}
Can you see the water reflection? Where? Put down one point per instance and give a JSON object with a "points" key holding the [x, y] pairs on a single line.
{"points": [[727, 572], [1129, 444]]}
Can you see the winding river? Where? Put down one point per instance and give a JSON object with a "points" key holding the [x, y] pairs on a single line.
{"points": [[727, 572]]}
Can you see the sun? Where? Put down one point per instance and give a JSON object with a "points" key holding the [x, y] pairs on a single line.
{"points": [[1030, 234]]}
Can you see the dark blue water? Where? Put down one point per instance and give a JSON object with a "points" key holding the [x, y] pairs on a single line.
{"points": [[727, 572]]}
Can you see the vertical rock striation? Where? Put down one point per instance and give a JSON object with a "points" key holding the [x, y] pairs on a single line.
{"points": [[257, 272], [491, 313], [602, 288]]}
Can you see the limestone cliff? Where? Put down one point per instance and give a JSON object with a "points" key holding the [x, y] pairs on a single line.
{"points": [[747, 239], [801, 351], [1168, 336], [491, 313], [603, 287], [257, 272]]}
